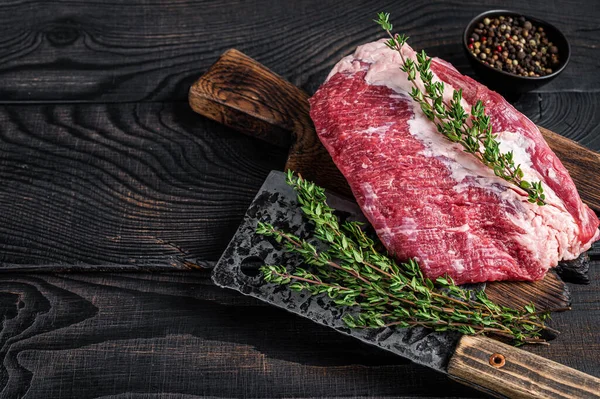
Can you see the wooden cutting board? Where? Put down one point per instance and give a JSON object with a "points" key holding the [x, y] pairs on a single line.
{"points": [[245, 95]]}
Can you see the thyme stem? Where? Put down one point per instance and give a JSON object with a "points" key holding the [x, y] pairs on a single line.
{"points": [[344, 264], [472, 130]]}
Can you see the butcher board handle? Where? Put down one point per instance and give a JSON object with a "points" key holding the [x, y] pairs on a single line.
{"points": [[243, 94], [506, 371]]}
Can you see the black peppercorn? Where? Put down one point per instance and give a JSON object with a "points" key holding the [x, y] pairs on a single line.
{"points": [[514, 45]]}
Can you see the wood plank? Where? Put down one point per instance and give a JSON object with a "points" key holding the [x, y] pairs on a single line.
{"points": [[100, 334], [73, 179], [149, 186], [140, 51], [95, 334], [573, 115]]}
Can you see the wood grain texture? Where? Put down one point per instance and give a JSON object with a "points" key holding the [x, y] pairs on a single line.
{"points": [[242, 94], [512, 372], [99, 334], [94, 335], [67, 172], [153, 51], [245, 110], [134, 186], [549, 293], [583, 165], [573, 115]]}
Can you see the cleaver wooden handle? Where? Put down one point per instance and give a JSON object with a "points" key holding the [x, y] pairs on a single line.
{"points": [[245, 95], [506, 371]]}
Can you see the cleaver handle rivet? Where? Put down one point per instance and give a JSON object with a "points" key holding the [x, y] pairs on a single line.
{"points": [[497, 360]]}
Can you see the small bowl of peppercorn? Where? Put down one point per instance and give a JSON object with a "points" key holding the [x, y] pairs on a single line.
{"points": [[515, 53]]}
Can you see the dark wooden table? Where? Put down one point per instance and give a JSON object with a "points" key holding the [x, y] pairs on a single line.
{"points": [[104, 169]]}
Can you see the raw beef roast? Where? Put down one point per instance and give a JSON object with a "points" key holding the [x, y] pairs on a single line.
{"points": [[425, 196]]}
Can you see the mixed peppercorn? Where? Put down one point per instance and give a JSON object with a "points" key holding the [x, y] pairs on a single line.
{"points": [[514, 45]]}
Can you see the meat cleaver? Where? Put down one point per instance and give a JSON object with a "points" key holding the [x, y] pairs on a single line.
{"points": [[483, 363], [251, 90]]}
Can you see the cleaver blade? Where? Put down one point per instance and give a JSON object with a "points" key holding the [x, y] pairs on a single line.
{"points": [[237, 269], [480, 362]]}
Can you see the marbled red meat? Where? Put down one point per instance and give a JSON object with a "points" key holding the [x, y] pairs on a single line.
{"points": [[427, 198]]}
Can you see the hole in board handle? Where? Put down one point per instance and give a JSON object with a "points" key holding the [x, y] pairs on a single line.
{"points": [[497, 360]]}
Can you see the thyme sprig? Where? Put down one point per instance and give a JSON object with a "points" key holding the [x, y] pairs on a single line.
{"points": [[379, 292], [473, 131]]}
